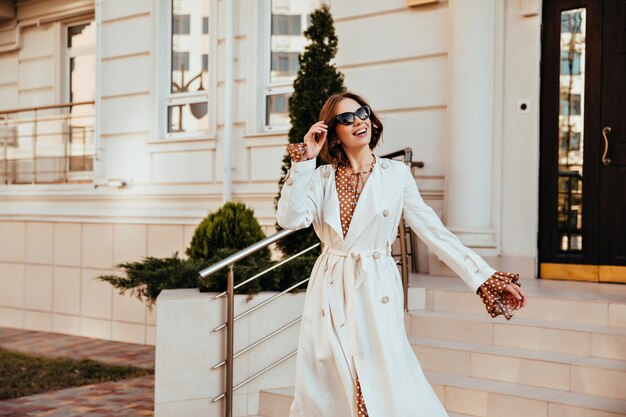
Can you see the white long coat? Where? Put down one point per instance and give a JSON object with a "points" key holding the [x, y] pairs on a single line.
{"points": [[353, 318]]}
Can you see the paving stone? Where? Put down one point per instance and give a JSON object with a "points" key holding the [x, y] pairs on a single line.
{"points": [[132, 397]]}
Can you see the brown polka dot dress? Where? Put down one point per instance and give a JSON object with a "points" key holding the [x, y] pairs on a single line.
{"points": [[349, 186]]}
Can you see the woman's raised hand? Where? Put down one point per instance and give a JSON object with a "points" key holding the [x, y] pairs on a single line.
{"points": [[516, 294], [313, 146]]}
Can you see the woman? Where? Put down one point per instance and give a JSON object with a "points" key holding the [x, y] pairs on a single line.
{"points": [[354, 358]]}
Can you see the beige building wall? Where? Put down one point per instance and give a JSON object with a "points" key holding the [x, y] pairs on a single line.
{"points": [[55, 239]]}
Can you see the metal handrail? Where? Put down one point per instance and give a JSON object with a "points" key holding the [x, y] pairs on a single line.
{"points": [[265, 271], [250, 378], [39, 149], [229, 262], [261, 304], [261, 340], [263, 243]]}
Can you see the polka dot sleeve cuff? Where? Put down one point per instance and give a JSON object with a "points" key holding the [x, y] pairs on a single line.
{"points": [[296, 151], [497, 300]]}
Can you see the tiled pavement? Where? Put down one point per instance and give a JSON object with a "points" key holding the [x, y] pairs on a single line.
{"points": [[132, 397]]}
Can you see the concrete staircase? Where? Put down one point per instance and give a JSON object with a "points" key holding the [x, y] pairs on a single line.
{"points": [[563, 355]]}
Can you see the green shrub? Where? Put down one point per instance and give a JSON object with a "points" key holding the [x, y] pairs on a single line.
{"points": [[219, 235], [295, 271], [231, 227], [147, 278], [223, 233]]}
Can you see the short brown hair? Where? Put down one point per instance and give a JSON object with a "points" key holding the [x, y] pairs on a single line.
{"points": [[332, 151]]}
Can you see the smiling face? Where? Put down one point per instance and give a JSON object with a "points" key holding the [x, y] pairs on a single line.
{"points": [[353, 137], [356, 135]]}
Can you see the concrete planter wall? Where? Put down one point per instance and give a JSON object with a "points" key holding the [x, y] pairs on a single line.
{"points": [[187, 348]]}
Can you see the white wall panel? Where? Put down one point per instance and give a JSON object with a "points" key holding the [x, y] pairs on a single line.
{"points": [[424, 131], [8, 96], [182, 167], [37, 42], [128, 75], [265, 163], [113, 9], [342, 9], [37, 97], [125, 114], [126, 157], [407, 84], [8, 68], [37, 73], [399, 35], [7, 37], [125, 37]]}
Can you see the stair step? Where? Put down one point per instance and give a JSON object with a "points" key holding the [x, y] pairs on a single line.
{"points": [[539, 308], [602, 304], [458, 393], [508, 397], [574, 373], [571, 338], [275, 402]]}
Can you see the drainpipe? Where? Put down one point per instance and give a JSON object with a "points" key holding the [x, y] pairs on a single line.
{"points": [[17, 44], [228, 103], [97, 152], [19, 26]]}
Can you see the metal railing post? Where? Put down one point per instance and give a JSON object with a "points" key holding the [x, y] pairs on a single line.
{"points": [[65, 132], [6, 150], [230, 335], [35, 148], [407, 159]]}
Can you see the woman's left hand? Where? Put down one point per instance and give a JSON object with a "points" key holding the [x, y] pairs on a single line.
{"points": [[516, 294]]}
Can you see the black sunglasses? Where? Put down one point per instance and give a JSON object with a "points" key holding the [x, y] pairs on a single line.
{"points": [[347, 118]]}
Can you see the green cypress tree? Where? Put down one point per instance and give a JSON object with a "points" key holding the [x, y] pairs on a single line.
{"points": [[317, 79]]}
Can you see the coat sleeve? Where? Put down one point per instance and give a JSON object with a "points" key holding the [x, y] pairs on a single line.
{"points": [[298, 203], [422, 219]]}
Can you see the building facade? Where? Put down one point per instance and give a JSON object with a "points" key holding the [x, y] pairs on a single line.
{"points": [[118, 139]]}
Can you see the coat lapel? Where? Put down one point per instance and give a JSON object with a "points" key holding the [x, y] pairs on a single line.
{"points": [[332, 214], [367, 207]]}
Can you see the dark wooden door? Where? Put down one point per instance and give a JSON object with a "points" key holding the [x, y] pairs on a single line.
{"points": [[582, 218], [613, 166]]}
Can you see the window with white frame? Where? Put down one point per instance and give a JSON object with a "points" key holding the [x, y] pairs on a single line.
{"points": [[286, 22], [187, 101], [80, 55]]}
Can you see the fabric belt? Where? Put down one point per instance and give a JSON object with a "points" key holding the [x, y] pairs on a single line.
{"points": [[355, 267]]}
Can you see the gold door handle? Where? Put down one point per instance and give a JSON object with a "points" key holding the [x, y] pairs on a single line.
{"points": [[606, 130]]}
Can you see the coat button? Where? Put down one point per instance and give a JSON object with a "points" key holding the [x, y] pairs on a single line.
{"points": [[384, 299], [376, 255], [289, 181], [386, 213], [326, 174], [384, 164]]}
